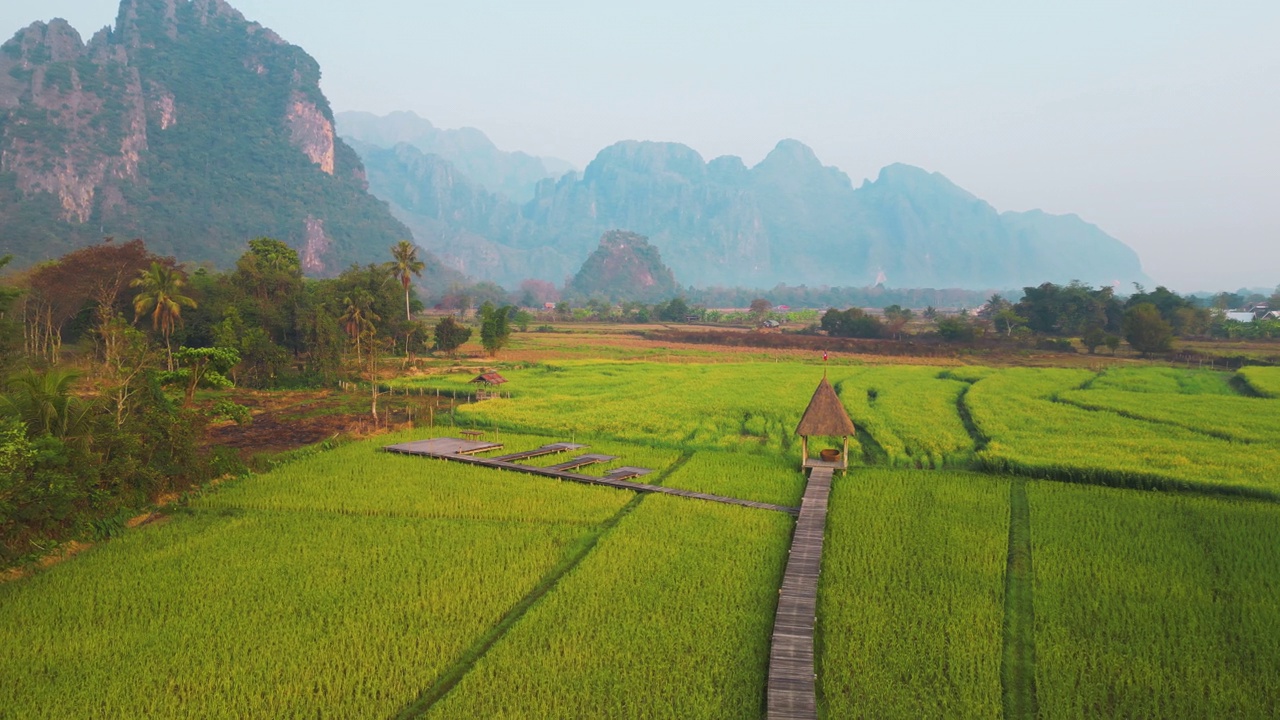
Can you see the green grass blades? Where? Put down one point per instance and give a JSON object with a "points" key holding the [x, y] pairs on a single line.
{"points": [[1232, 418], [1164, 380], [1158, 606], [764, 478], [262, 614], [670, 617], [912, 413], [1263, 381], [911, 601], [1032, 434]]}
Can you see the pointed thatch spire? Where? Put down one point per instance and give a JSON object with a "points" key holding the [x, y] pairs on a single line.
{"points": [[825, 415]]}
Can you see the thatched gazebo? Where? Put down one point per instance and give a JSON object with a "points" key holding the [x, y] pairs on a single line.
{"points": [[488, 380], [825, 417]]}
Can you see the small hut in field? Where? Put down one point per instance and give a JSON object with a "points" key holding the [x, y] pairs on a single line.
{"points": [[486, 382], [825, 417]]}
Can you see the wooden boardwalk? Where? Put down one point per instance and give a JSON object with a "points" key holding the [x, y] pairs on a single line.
{"points": [[582, 461], [791, 690], [551, 449], [455, 450]]}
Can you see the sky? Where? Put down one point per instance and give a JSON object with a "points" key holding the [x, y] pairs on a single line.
{"points": [[1157, 120]]}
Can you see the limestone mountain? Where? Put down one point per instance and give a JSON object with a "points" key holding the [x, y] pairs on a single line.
{"points": [[513, 174], [185, 125], [624, 267], [789, 219]]}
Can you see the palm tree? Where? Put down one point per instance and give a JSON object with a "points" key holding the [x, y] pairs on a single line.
{"points": [[405, 264], [161, 297], [358, 317], [44, 403]]}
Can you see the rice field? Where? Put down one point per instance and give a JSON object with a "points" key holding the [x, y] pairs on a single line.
{"points": [[764, 478], [911, 601], [912, 414], [356, 583], [1264, 381], [262, 614], [1150, 605], [1030, 433], [669, 617]]}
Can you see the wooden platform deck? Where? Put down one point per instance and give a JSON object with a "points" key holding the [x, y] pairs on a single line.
{"points": [[791, 689], [443, 449], [626, 472], [446, 446], [582, 461], [551, 449]]}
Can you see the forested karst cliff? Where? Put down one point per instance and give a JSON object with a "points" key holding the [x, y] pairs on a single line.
{"points": [[186, 125], [789, 219]]}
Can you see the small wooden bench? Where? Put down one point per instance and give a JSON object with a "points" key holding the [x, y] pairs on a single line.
{"points": [[472, 434]]}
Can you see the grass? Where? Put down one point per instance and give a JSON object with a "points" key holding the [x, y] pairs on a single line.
{"points": [[669, 617], [1150, 605], [911, 596], [262, 614]]}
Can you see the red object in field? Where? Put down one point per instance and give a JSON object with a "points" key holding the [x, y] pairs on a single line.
{"points": [[824, 356]]}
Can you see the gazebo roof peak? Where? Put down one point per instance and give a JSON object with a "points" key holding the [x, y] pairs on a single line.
{"points": [[825, 415]]}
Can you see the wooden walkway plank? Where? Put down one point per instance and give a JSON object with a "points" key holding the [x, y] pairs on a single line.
{"points": [[582, 461], [551, 449], [440, 451], [626, 473], [792, 693]]}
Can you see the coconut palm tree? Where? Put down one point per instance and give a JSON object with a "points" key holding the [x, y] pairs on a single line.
{"points": [[405, 263], [358, 317], [161, 297]]}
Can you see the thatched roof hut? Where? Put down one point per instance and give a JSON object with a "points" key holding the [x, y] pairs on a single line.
{"points": [[489, 378], [825, 415]]}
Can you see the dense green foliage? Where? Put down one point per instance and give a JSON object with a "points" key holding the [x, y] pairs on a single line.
{"points": [[75, 467], [852, 322], [1154, 606], [911, 600]]}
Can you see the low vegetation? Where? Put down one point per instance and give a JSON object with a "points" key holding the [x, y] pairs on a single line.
{"points": [[1154, 606], [911, 603]]}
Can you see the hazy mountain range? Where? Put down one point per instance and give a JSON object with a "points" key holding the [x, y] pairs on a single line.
{"points": [[196, 130], [513, 174], [789, 219]]}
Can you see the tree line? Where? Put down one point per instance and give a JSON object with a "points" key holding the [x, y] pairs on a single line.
{"points": [[1147, 320], [102, 353]]}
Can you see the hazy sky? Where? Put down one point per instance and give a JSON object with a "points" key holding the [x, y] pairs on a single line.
{"points": [[1157, 120]]}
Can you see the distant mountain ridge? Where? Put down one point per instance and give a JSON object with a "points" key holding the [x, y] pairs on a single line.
{"points": [[513, 174], [185, 125], [789, 219]]}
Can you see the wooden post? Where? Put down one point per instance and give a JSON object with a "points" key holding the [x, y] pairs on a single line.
{"points": [[804, 451], [846, 453]]}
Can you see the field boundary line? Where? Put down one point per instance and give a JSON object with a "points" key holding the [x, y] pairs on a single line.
{"points": [[980, 439], [453, 674], [1216, 435], [1018, 660]]}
